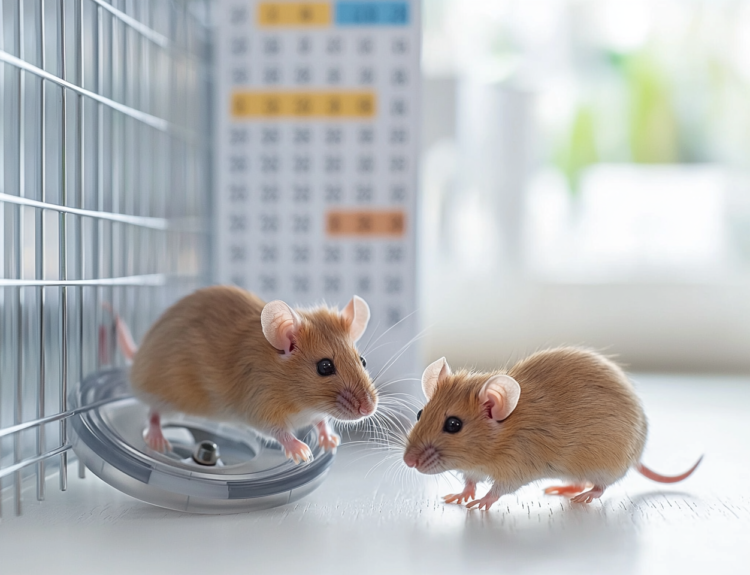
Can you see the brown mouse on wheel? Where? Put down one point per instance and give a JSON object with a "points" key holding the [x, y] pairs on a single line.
{"points": [[564, 413], [223, 353]]}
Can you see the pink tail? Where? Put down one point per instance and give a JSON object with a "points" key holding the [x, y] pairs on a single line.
{"points": [[653, 476], [124, 338]]}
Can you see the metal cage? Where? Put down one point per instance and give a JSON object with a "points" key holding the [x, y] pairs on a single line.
{"points": [[104, 163]]}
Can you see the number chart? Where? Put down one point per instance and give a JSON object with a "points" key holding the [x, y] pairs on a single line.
{"points": [[316, 156]]}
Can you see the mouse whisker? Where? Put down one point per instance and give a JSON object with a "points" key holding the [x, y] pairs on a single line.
{"points": [[394, 470], [391, 428], [391, 421], [366, 346], [396, 356], [394, 421], [399, 404], [381, 386], [390, 459], [376, 427], [386, 442], [376, 348], [407, 316]]}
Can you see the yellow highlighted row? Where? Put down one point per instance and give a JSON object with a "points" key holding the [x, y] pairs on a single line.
{"points": [[368, 223], [294, 13], [303, 104]]}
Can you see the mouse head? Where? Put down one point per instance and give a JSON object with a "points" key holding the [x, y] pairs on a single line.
{"points": [[317, 353], [459, 425]]}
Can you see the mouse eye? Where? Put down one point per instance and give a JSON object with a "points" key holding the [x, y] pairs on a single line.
{"points": [[363, 360], [419, 414], [325, 367], [453, 425]]}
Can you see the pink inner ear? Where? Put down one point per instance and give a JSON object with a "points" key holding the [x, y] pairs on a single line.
{"points": [[280, 324], [356, 315], [488, 409], [348, 312], [493, 405], [286, 335]]}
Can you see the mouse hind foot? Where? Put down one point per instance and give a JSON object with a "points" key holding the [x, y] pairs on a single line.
{"points": [[588, 496], [153, 436], [573, 489]]}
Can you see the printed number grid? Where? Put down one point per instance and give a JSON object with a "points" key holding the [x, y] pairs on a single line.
{"points": [[317, 152]]}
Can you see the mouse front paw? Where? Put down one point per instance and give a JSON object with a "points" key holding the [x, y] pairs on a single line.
{"points": [[295, 449], [469, 492], [329, 442], [484, 503], [299, 453], [327, 439]]}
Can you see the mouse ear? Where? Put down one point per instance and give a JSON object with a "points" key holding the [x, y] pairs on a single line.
{"points": [[356, 314], [499, 396], [433, 374], [280, 325]]}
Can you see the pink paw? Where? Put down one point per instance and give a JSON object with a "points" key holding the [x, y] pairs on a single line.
{"points": [[564, 489], [484, 503], [328, 441], [297, 451], [469, 492], [153, 436], [588, 496], [155, 440]]}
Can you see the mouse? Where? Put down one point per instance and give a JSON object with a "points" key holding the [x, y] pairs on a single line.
{"points": [[566, 413], [223, 353]]}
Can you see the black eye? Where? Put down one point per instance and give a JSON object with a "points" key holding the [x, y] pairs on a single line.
{"points": [[419, 414], [325, 367], [453, 425], [363, 360]]}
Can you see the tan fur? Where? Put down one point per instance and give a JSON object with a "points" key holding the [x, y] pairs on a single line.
{"points": [[578, 418], [207, 356]]}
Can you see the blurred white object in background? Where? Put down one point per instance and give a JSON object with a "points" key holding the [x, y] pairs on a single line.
{"points": [[475, 186], [495, 137], [631, 222]]}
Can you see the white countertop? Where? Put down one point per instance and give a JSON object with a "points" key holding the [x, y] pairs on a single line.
{"points": [[380, 519]]}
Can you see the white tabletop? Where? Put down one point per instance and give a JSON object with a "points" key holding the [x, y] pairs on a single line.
{"points": [[369, 518]]}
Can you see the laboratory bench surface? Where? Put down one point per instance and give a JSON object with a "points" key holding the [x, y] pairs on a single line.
{"points": [[371, 516]]}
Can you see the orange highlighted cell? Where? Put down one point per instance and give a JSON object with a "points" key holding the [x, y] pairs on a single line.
{"points": [[366, 223], [246, 104], [294, 14]]}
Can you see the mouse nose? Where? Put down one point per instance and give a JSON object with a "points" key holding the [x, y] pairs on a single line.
{"points": [[410, 458], [368, 406]]}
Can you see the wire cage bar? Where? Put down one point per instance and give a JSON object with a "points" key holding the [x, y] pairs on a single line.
{"points": [[104, 182]]}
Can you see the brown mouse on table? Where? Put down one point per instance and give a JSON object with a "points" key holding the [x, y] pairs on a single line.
{"points": [[564, 413], [223, 353]]}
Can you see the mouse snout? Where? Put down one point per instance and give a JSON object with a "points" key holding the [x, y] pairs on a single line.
{"points": [[368, 405], [426, 460], [355, 405], [410, 458]]}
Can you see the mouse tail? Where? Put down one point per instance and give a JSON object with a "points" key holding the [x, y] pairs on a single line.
{"points": [[653, 476], [124, 338]]}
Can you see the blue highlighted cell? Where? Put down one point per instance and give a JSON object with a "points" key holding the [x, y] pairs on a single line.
{"points": [[372, 13]]}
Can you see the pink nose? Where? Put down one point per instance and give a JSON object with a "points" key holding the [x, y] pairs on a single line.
{"points": [[367, 407], [410, 459]]}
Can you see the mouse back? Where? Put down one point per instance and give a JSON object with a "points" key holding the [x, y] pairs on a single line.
{"points": [[576, 411]]}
